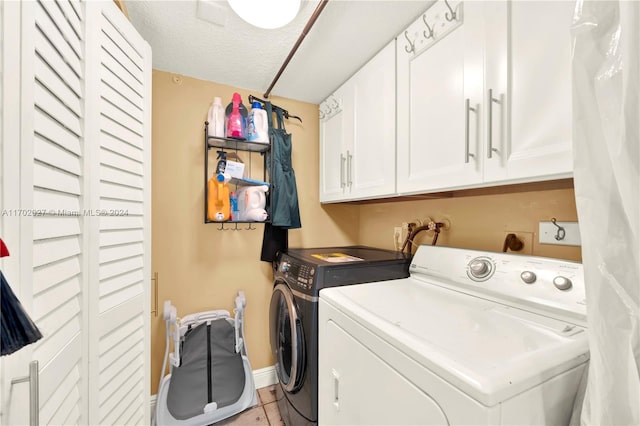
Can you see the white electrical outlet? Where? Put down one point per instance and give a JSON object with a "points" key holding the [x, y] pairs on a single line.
{"points": [[548, 233]]}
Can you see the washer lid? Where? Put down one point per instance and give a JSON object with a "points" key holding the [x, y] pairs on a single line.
{"points": [[488, 350]]}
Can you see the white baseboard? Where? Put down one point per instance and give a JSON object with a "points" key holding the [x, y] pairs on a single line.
{"points": [[262, 378], [265, 377]]}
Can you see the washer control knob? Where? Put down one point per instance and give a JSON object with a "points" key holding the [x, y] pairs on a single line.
{"points": [[285, 266], [528, 277], [562, 283], [479, 268]]}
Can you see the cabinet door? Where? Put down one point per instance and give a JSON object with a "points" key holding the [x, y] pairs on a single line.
{"points": [[371, 164], [435, 81], [530, 76], [333, 134]]}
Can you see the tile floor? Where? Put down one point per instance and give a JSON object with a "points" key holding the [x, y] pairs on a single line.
{"points": [[266, 413]]}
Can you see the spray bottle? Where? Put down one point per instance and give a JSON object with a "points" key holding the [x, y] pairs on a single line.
{"points": [[236, 119]]}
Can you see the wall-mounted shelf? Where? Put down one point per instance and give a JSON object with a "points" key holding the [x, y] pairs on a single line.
{"points": [[234, 145]]}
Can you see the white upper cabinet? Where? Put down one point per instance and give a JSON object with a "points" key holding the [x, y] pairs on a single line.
{"points": [[528, 71], [332, 140], [357, 134], [484, 97], [439, 97]]}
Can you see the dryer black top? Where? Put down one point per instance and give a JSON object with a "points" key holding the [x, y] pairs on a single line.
{"points": [[309, 270], [345, 255]]}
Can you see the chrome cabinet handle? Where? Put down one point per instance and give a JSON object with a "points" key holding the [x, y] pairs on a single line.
{"points": [[34, 392], [468, 108], [342, 160], [490, 148], [349, 177]]}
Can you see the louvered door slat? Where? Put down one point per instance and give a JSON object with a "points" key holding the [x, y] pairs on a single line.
{"points": [[56, 273], [47, 51], [124, 43], [64, 27], [120, 347], [71, 16], [112, 95], [121, 251], [48, 251], [111, 269], [113, 407], [115, 82], [55, 341], [53, 154], [120, 192], [48, 177], [52, 82], [62, 369], [49, 29], [55, 226], [109, 174], [118, 161], [47, 127], [45, 101], [123, 148], [53, 295], [117, 63], [111, 222], [43, 199], [131, 207], [65, 397], [121, 117]]}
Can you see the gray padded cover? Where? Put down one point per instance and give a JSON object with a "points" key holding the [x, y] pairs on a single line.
{"points": [[188, 393]]}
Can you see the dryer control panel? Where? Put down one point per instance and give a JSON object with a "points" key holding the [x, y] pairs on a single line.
{"points": [[549, 286], [299, 275]]}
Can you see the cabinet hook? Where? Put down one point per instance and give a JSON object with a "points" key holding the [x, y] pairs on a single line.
{"points": [[451, 15], [411, 48], [561, 232], [429, 31]]}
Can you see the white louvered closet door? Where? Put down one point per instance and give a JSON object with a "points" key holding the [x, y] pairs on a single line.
{"points": [[77, 157], [118, 103]]}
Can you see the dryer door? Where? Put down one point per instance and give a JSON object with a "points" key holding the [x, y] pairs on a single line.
{"points": [[287, 338]]}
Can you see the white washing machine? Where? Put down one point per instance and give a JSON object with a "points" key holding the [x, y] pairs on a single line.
{"points": [[469, 338]]}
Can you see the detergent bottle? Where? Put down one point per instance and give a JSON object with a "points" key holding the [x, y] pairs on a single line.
{"points": [[236, 119], [216, 119], [218, 205], [258, 126]]}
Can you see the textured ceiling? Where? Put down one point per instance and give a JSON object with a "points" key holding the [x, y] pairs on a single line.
{"points": [[345, 36]]}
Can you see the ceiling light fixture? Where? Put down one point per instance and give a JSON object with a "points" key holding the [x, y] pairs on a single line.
{"points": [[268, 14]]}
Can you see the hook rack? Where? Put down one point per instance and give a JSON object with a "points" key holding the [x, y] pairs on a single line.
{"points": [[286, 113], [561, 231], [428, 33], [235, 227], [451, 15]]}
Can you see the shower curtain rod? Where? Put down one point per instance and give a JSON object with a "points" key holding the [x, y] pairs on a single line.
{"points": [[306, 29]]}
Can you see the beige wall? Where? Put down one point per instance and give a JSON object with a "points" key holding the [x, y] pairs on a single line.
{"points": [[200, 267], [476, 222]]}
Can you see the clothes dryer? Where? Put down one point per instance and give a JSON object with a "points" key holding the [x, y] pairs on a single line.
{"points": [[299, 275], [469, 338]]}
